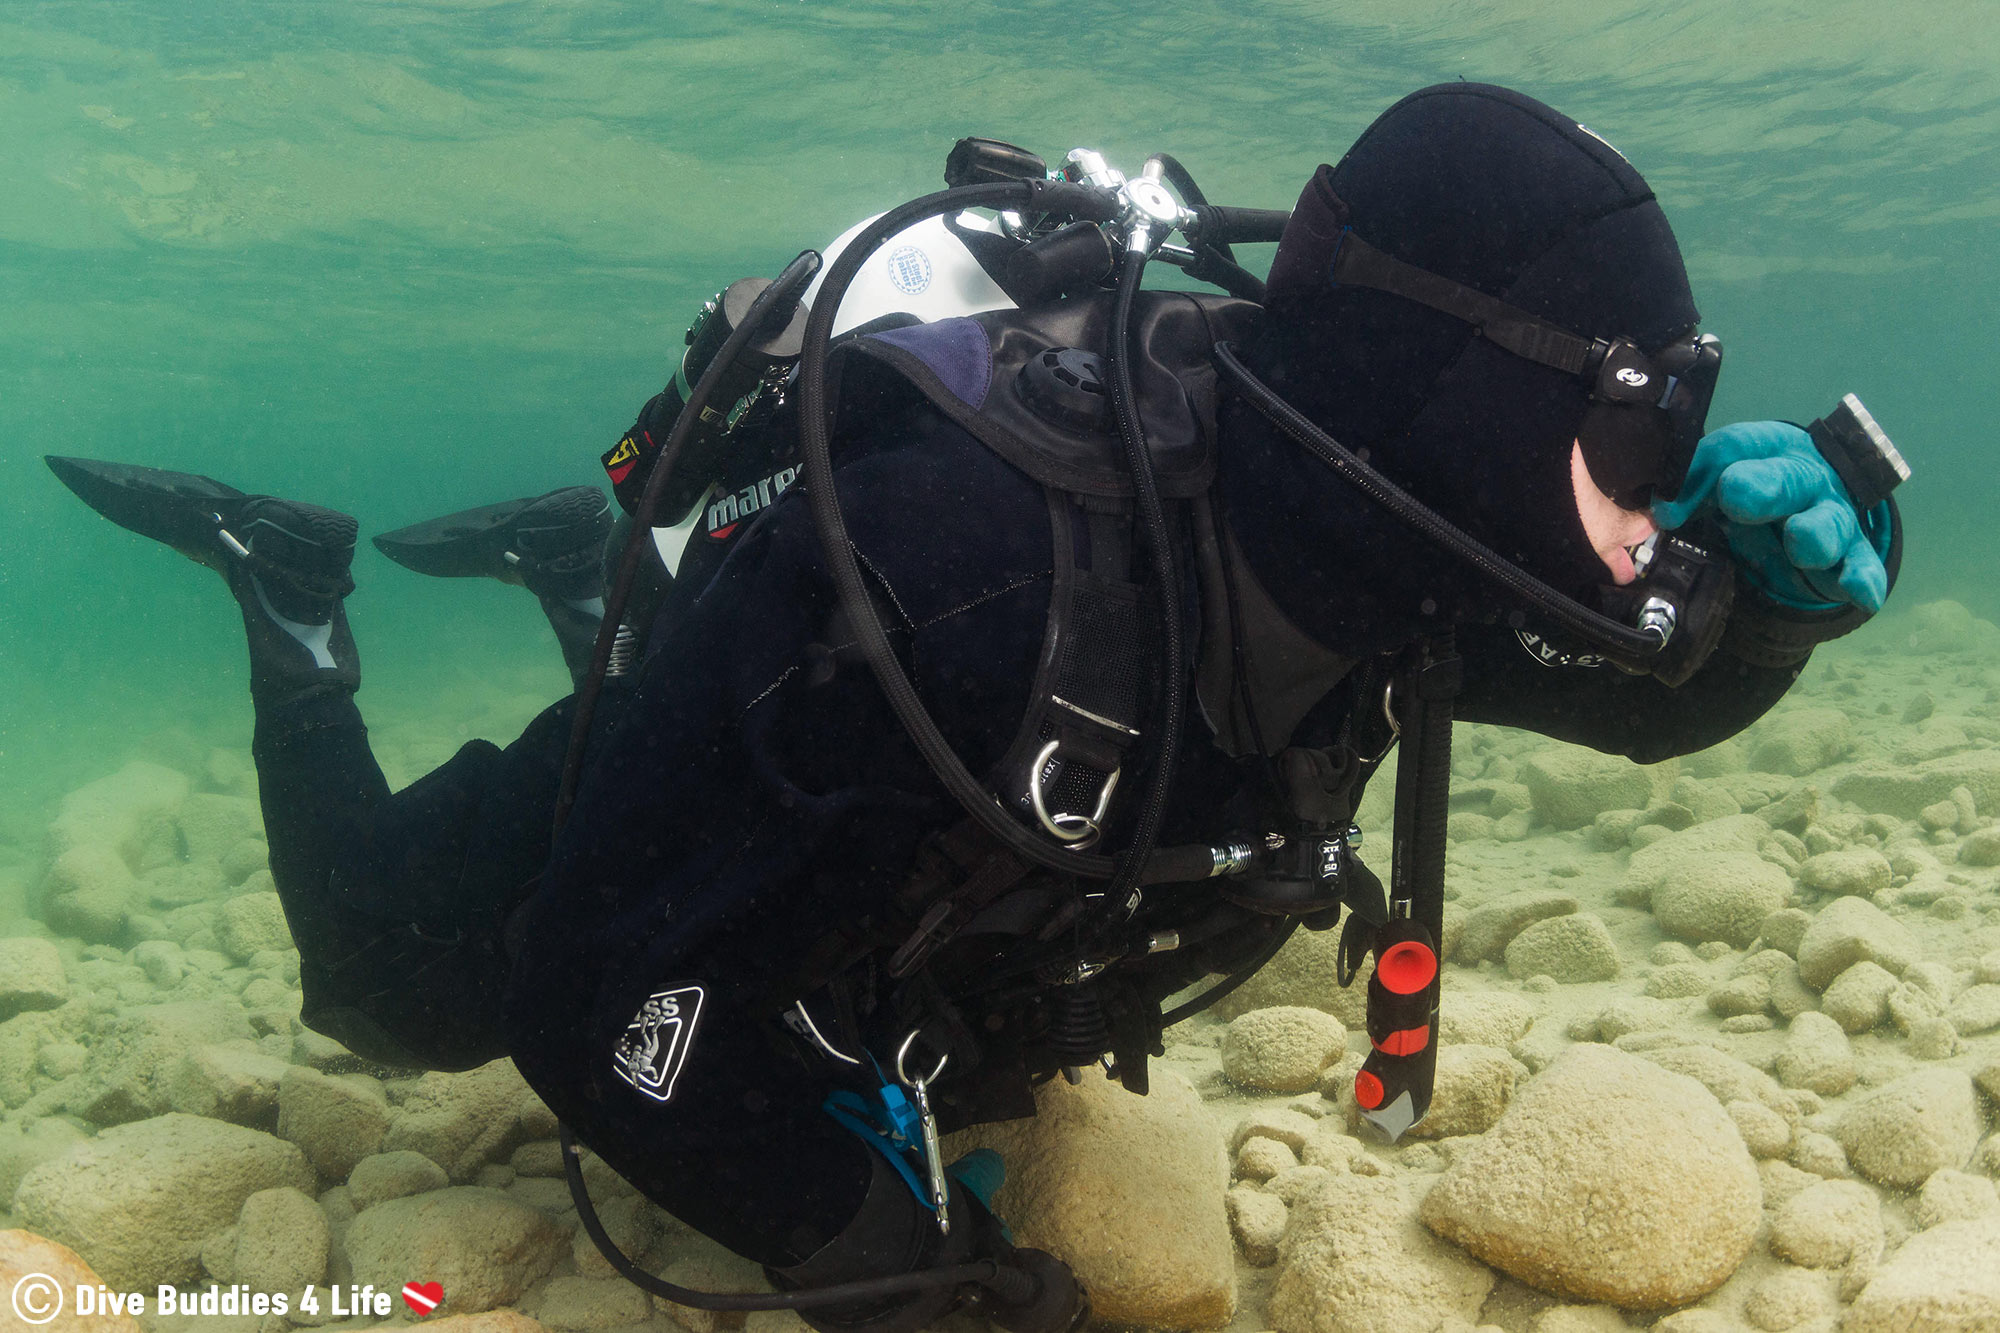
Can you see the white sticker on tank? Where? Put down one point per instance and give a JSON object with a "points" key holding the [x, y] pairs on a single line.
{"points": [[909, 270]]}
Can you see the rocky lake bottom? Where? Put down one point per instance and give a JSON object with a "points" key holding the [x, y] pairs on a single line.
{"points": [[1720, 1051]]}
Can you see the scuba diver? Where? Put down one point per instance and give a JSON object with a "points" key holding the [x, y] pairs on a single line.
{"points": [[1025, 668]]}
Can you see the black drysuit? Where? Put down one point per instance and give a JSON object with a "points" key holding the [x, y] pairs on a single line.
{"points": [[755, 792]]}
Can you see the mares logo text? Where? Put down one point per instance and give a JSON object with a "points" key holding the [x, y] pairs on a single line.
{"points": [[725, 513], [656, 1042]]}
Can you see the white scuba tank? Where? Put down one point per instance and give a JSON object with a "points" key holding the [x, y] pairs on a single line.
{"points": [[923, 270]]}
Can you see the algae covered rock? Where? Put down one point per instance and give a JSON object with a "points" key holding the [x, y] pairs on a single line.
{"points": [[1304, 972], [1473, 1087], [464, 1121], [1608, 1179], [1257, 1220], [1904, 790], [1484, 1018], [1828, 1225], [135, 1061], [1723, 896], [251, 923], [337, 1118], [1281, 1049], [282, 1241], [481, 1246], [1852, 930], [1789, 1298], [1954, 1196], [126, 812], [236, 1081], [1922, 1122], [1569, 948], [1945, 1280], [1857, 870], [31, 976], [1491, 926], [1129, 1191], [1354, 1260], [1817, 1056], [392, 1175], [1799, 741], [139, 1200], [1571, 786], [88, 893], [1858, 999]]}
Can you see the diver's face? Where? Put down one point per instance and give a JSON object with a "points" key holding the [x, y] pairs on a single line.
{"points": [[1612, 531]]}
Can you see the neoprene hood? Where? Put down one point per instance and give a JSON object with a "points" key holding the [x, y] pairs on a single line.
{"points": [[1505, 195]]}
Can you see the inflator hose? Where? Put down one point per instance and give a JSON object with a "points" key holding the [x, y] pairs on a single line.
{"points": [[784, 291], [1632, 646], [817, 475], [1166, 569], [1009, 1284]]}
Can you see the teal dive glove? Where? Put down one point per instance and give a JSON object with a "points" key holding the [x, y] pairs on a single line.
{"points": [[1787, 517]]}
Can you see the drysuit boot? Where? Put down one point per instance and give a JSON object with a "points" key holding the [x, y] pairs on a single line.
{"points": [[552, 545], [893, 1234], [286, 563]]}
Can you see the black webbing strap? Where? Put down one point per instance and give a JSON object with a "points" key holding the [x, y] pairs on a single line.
{"points": [[959, 873], [1359, 264], [1095, 674]]}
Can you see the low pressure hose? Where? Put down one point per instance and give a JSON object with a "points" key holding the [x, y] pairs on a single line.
{"points": [[1166, 569], [1010, 1284], [782, 294], [815, 435], [1633, 646]]}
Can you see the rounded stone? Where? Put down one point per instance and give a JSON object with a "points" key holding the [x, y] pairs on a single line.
{"points": [[1608, 1179], [1848, 931], [1725, 896], [381, 1177], [1281, 1049], [1861, 870], [1788, 1298], [1947, 1279], [1571, 949], [1901, 1132], [1858, 999], [1816, 1055], [1828, 1225]]}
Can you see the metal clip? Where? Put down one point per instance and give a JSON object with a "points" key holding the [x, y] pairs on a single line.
{"points": [[933, 1154], [1079, 831]]}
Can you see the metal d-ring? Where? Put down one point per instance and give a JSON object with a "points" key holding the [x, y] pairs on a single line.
{"points": [[1395, 727], [903, 1054], [1079, 831]]}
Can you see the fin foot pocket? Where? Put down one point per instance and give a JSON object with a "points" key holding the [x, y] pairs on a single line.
{"points": [[552, 543]]}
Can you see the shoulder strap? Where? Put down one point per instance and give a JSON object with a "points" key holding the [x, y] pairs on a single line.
{"points": [[972, 370]]}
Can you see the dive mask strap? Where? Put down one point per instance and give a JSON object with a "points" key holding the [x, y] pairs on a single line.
{"points": [[1359, 264]]}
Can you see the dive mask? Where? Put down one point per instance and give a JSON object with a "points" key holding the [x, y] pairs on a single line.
{"points": [[1647, 411], [1647, 414]]}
